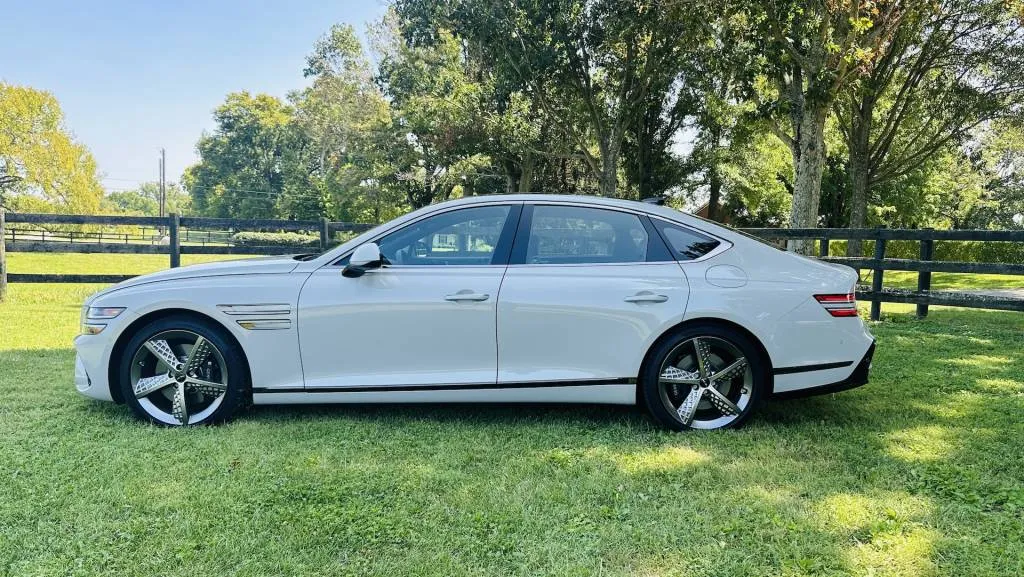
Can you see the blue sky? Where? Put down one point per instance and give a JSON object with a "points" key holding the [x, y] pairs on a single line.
{"points": [[133, 77]]}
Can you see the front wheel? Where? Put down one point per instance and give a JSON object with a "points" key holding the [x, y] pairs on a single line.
{"points": [[181, 370], [703, 377]]}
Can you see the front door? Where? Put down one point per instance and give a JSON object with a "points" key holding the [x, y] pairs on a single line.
{"points": [[427, 318]]}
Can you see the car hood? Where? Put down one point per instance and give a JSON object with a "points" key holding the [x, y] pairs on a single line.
{"points": [[263, 265]]}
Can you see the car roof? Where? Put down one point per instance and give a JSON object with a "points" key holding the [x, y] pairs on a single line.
{"points": [[667, 213], [584, 200]]}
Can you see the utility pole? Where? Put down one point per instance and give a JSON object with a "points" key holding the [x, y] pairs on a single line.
{"points": [[163, 182]]}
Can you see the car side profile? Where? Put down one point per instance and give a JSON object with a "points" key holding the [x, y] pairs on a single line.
{"points": [[511, 298]]}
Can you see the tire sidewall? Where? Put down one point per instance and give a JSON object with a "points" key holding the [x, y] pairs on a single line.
{"points": [[237, 387], [649, 375]]}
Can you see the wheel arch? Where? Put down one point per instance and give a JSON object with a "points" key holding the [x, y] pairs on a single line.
{"points": [[761, 350], [122, 340]]}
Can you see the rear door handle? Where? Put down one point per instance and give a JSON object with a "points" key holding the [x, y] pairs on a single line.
{"points": [[467, 295], [646, 297]]}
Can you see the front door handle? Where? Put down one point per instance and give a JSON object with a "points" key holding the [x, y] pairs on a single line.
{"points": [[646, 297], [467, 295]]}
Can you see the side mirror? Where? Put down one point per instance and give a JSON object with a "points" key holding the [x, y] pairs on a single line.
{"points": [[365, 257]]}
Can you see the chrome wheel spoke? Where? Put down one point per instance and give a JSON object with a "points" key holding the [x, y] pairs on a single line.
{"points": [[163, 352], [721, 402], [688, 407], [702, 350], [208, 388], [734, 370], [188, 371], [676, 376], [200, 351], [179, 408], [148, 385]]}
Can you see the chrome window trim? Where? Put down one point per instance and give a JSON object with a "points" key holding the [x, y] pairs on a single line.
{"points": [[431, 214], [723, 246]]}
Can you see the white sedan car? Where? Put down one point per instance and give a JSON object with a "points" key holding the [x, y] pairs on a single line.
{"points": [[519, 298]]}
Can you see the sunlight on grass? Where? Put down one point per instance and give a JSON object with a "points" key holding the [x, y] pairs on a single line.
{"points": [[920, 472], [905, 551], [665, 459], [949, 281], [81, 263], [981, 362], [925, 443], [854, 511]]}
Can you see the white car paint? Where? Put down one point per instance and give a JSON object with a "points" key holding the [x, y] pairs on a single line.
{"points": [[391, 335]]}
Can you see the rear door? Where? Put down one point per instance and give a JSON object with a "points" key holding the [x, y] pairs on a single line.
{"points": [[587, 291]]}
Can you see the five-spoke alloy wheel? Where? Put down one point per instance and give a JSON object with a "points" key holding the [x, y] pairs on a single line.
{"points": [[703, 377], [182, 371]]}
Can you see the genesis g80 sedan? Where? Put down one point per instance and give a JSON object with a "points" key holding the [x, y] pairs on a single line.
{"points": [[518, 298]]}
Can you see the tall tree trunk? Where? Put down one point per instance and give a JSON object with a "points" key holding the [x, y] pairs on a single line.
{"points": [[859, 169], [511, 182], [714, 176], [609, 174], [526, 173], [715, 186], [808, 162]]}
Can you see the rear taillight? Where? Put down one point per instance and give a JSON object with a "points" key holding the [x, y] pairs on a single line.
{"points": [[839, 305]]}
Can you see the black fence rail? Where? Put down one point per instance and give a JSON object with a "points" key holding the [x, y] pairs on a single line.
{"points": [[168, 239], [924, 265]]}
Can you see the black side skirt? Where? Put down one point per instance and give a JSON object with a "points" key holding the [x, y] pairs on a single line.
{"points": [[456, 387]]}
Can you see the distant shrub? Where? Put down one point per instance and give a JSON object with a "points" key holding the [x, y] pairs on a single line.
{"points": [[289, 239]]}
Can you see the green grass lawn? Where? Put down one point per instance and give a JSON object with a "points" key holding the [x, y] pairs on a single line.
{"points": [[949, 281], [79, 263], [919, 473]]}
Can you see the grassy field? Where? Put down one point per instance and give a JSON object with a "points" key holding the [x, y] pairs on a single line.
{"points": [[919, 473], [950, 281]]}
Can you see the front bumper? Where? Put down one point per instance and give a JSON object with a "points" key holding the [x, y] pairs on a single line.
{"points": [[857, 378], [91, 367]]}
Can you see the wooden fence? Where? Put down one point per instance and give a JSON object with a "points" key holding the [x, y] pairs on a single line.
{"points": [[173, 224], [63, 242], [924, 266]]}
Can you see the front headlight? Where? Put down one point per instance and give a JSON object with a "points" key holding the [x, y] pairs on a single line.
{"points": [[91, 314]]}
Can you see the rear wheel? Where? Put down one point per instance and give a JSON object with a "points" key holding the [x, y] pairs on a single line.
{"points": [[703, 377], [180, 370]]}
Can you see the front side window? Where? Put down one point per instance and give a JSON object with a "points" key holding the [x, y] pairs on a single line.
{"points": [[467, 236], [579, 235], [684, 243]]}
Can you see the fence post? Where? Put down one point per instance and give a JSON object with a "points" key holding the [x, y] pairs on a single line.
{"points": [[824, 246], [175, 243], [3, 256], [325, 233], [876, 281], [924, 278]]}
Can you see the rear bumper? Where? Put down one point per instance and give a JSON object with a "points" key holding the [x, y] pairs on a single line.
{"points": [[857, 378]]}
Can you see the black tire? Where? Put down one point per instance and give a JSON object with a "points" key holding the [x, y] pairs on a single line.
{"points": [[229, 401], [745, 391]]}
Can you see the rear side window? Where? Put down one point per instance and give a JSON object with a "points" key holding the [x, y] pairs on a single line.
{"points": [[685, 244], [580, 235]]}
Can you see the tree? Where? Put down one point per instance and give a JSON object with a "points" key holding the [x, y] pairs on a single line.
{"points": [[593, 67], [341, 117], [814, 50], [241, 171], [145, 200], [42, 167], [436, 121], [951, 66]]}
